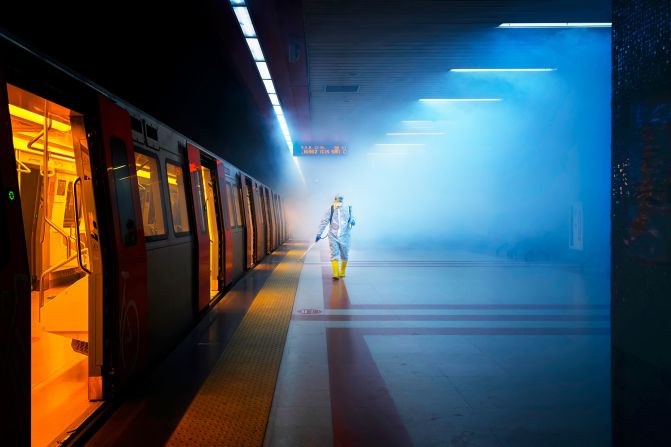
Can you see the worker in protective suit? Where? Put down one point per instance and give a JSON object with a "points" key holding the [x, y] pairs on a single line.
{"points": [[340, 221]]}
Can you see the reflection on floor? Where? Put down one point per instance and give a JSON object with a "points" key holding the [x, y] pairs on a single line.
{"points": [[445, 349], [59, 395]]}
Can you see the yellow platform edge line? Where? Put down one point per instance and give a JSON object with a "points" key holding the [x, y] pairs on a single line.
{"points": [[233, 405]]}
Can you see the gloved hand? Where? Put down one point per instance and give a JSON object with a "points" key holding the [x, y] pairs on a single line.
{"points": [[319, 236]]}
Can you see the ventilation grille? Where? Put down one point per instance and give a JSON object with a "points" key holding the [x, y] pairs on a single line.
{"points": [[341, 88]]}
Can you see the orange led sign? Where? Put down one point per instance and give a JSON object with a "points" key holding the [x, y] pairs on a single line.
{"points": [[313, 149]]}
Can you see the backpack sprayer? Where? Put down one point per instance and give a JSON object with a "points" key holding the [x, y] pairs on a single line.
{"points": [[324, 237]]}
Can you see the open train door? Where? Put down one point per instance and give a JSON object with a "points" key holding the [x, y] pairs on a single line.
{"points": [[258, 210], [202, 275], [129, 280], [14, 294], [250, 220], [222, 172]]}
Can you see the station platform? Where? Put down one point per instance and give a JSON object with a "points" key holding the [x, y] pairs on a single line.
{"points": [[412, 347]]}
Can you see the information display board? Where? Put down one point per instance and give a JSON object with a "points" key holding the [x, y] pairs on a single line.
{"points": [[317, 149]]}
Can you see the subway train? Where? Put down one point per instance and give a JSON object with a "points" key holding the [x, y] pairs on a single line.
{"points": [[117, 234]]}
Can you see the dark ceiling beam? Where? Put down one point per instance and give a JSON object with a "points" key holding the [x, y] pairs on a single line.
{"points": [[243, 62], [279, 27]]}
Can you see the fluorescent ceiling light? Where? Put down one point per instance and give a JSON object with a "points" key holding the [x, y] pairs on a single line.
{"points": [[263, 70], [270, 87], [255, 48], [388, 154], [557, 25], [414, 133], [282, 120], [37, 118], [245, 21], [399, 145], [484, 70], [458, 99], [247, 27]]}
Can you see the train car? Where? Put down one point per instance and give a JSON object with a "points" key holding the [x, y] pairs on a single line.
{"points": [[116, 234]]}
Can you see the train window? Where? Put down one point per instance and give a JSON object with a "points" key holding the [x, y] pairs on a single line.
{"points": [[178, 205], [127, 219], [136, 124], [229, 205], [151, 197], [152, 132]]}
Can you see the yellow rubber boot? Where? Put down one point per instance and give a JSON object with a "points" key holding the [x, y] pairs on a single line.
{"points": [[343, 266], [334, 264]]}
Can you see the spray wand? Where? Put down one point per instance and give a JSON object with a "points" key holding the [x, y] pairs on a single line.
{"points": [[309, 248]]}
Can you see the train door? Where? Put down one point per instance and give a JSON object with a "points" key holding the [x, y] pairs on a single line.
{"points": [[270, 243], [202, 273], [227, 222], [266, 220], [278, 217], [54, 182], [260, 223], [280, 220], [273, 221], [236, 250], [214, 226], [250, 220], [285, 227], [127, 332], [15, 290]]}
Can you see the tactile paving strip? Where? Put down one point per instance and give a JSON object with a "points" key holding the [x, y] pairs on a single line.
{"points": [[233, 405]]}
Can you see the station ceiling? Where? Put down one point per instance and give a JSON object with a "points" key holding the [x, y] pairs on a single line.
{"points": [[345, 70], [369, 58]]}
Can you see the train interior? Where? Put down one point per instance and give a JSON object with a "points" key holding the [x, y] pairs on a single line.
{"points": [[51, 163], [214, 229]]}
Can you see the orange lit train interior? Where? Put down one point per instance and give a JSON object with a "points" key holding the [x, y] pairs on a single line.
{"points": [[213, 230], [60, 258]]}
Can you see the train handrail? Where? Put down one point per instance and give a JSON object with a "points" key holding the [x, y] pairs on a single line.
{"points": [[49, 270], [78, 238], [62, 233]]}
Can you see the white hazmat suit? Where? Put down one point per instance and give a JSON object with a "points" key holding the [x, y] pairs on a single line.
{"points": [[340, 221]]}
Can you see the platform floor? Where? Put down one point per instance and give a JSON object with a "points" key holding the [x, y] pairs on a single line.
{"points": [[444, 349], [412, 348]]}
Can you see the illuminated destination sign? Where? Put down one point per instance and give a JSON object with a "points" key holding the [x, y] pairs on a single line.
{"points": [[302, 149]]}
